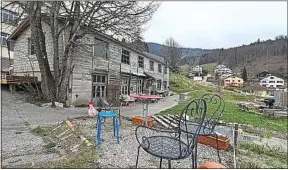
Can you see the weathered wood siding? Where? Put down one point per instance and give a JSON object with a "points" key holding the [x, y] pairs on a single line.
{"points": [[26, 63]]}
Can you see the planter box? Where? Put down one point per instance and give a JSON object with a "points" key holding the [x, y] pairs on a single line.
{"points": [[223, 142], [138, 120]]}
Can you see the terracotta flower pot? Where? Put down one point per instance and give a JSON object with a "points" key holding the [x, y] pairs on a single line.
{"points": [[223, 142], [138, 120]]}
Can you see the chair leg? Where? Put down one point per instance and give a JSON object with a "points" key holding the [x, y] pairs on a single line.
{"points": [[195, 155], [137, 156], [160, 163], [114, 126], [117, 129], [99, 130], [218, 154], [169, 164]]}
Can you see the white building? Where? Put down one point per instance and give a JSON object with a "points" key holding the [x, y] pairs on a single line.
{"points": [[197, 78], [222, 69], [272, 81], [198, 69], [225, 75]]}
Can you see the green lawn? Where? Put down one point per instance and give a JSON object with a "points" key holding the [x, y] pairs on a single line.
{"points": [[209, 67], [232, 112]]}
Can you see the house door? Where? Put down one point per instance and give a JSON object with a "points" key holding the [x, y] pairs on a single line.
{"points": [[99, 88]]}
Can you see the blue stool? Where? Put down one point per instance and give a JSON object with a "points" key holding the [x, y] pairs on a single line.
{"points": [[102, 115]]}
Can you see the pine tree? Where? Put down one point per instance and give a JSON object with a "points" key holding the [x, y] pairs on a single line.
{"points": [[244, 74]]}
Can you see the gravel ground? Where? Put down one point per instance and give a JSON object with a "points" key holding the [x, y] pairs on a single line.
{"points": [[113, 155]]}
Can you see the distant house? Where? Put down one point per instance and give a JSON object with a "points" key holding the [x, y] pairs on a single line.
{"points": [[225, 75], [222, 69], [197, 78], [272, 82], [262, 75], [190, 75], [197, 69], [233, 81], [256, 89]]}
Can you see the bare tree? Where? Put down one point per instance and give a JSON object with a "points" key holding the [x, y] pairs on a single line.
{"points": [[123, 19], [172, 52]]}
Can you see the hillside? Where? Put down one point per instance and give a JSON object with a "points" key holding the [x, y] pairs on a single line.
{"points": [[270, 55]]}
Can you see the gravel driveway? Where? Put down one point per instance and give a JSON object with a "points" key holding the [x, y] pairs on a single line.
{"points": [[19, 145]]}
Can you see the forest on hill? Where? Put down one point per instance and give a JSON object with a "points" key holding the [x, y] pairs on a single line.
{"points": [[270, 55]]}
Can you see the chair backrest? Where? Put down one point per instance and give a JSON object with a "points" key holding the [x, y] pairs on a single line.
{"points": [[215, 110], [195, 109]]}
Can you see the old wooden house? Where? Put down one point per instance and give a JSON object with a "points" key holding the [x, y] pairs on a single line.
{"points": [[103, 66]]}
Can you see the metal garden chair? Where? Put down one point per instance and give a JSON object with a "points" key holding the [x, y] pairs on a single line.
{"points": [[174, 144], [215, 109]]}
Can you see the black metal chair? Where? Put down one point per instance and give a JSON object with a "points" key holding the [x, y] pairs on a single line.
{"points": [[174, 144], [215, 109]]}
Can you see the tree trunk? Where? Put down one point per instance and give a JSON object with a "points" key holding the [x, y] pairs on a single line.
{"points": [[38, 40]]}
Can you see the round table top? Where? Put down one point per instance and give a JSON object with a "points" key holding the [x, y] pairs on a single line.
{"points": [[146, 96]]}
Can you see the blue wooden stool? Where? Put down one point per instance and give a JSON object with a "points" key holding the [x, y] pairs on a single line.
{"points": [[102, 115]]}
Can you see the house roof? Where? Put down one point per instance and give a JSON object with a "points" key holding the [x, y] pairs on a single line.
{"points": [[232, 76], [25, 24], [255, 87]]}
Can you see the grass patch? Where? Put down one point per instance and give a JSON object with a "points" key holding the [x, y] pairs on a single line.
{"points": [[209, 67], [259, 156], [85, 159], [232, 112], [41, 131]]}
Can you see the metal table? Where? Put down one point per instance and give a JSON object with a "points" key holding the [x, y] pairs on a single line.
{"points": [[145, 100]]}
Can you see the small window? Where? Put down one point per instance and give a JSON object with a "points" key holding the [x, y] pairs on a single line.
{"points": [[271, 77], [124, 85], [151, 64], [239, 81], [100, 48], [125, 57], [165, 85], [4, 37], [140, 62], [159, 68], [271, 81], [279, 81], [159, 84], [31, 47], [165, 70], [99, 79], [263, 81]]}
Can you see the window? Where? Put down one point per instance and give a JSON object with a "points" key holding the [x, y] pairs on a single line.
{"points": [[165, 85], [239, 81], [125, 57], [139, 86], [271, 81], [279, 81], [263, 81], [100, 48], [233, 80], [271, 77], [151, 64], [159, 84], [165, 70], [124, 85], [227, 80], [140, 62], [99, 85], [4, 37], [31, 47], [8, 17], [159, 68], [278, 85]]}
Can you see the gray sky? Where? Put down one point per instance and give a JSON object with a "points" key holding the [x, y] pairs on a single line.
{"points": [[217, 24]]}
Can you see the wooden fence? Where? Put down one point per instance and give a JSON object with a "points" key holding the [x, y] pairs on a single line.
{"points": [[280, 98]]}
